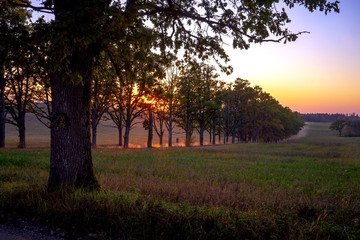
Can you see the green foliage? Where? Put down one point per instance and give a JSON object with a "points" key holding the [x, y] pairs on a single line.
{"points": [[19, 66], [346, 128], [103, 84], [197, 98], [241, 111], [138, 70], [251, 114], [81, 30], [197, 27], [338, 125]]}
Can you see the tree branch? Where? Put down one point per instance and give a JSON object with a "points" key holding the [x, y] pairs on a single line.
{"points": [[179, 12], [26, 4]]}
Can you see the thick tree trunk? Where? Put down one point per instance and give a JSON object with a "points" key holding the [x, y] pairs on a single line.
{"points": [[219, 134], [214, 135], [161, 140], [70, 158], [70, 161], [21, 129], [201, 132], [2, 110], [150, 133], [187, 134], [120, 135], [2, 127], [170, 133], [170, 125], [127, 135], [233, 137], [210, 135], [213, 131], [94, 118], [93, 135]]}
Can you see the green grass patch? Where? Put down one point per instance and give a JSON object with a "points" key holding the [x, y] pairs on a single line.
{"points": [[303, 189]]}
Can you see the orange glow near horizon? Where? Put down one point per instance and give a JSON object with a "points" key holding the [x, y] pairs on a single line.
{"points": [[318, 73], [308, 83], [334, 97], [156, 145]]}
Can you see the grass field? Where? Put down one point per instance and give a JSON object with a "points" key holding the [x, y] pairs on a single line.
{"points": [[38, 136], [307, 188]]}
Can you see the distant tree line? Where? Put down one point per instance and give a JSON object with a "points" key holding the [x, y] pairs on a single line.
{"points": [[328, 117]]}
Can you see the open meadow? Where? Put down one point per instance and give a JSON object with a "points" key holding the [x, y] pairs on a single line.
{"points": [[306, 188], [38, 136]]}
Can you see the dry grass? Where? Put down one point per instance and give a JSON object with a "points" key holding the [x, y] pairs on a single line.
{"points": [[304, 189], [236, 181]]}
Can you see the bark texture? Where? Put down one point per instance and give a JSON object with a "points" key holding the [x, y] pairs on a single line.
{"points": [[150, 132], [202, 129], [127, 135], [95, 119], [170, 124], [2, 110], [71, 162], [21, 129], [93, 135], [120, 135]]}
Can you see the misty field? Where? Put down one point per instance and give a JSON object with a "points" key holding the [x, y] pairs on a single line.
{"points": [[38, 136], [307, 188]]}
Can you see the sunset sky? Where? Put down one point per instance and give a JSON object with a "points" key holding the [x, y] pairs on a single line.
{"points": [[320, 72]]}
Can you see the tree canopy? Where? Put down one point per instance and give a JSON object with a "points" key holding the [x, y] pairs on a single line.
{"points": [[82, 29]]}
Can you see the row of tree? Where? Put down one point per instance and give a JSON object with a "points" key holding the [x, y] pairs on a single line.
{"points": [[197, 102], [131, 82], [136, 40]]}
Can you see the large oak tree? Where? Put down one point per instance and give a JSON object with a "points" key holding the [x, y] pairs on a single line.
{"points": [[82, 28]]}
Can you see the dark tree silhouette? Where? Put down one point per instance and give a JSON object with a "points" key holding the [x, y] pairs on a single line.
{"points": [[338, 125], [82, 28], [21, 79], [12, 32], [103, 83]]}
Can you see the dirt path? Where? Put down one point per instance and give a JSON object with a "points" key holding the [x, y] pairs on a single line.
{"points": [[24, 231], [303, 132]]}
